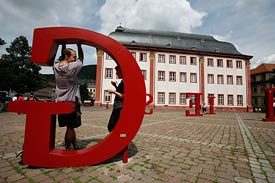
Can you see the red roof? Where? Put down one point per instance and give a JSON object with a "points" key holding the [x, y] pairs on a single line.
{"points": [[263, 68]]}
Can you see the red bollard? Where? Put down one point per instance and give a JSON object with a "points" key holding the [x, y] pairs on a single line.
{"points": [[197, 104], [211, 105], [269, 109]]}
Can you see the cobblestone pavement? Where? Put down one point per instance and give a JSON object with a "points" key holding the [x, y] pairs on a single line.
{"points": [[169, 147]]}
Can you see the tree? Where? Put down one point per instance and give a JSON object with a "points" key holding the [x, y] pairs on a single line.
{"points": [[84, 93], [2, 42], [17, 71]]}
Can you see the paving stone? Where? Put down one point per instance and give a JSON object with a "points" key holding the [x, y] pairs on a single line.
{"points": [[15, 177], [257, 180], [242, 180], [258, 175], [169, 147]]}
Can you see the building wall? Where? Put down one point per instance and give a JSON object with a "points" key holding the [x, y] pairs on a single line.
{"points": [[175, 88], [225, 88], [259, 81]]}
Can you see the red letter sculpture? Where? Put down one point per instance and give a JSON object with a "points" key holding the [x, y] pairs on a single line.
{"points": [[39, 142], [196, 103], [269, 108], [211, 105]]}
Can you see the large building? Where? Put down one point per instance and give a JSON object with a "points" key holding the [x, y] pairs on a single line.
{"points": [[261, 77], [174, 64]]}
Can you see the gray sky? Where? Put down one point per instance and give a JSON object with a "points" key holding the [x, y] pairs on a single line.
{"points": [[248, 24]]}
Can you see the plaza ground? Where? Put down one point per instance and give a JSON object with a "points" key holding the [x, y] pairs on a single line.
{"points": [[169, 147]]}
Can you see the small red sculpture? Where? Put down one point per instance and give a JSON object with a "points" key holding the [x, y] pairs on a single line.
{"points": [[196, 103], [211, 105], [269, 108]]}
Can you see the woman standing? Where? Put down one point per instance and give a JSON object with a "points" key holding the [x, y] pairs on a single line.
{"points": [[119, 94]]}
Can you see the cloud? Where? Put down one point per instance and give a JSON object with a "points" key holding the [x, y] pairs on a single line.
{"points": [[173, 15], [225, 38], [267, 60], [248, 24], [22, 17]]}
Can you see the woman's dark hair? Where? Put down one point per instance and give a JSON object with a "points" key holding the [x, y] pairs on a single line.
{"points": [[118, 68], [66, 52]]}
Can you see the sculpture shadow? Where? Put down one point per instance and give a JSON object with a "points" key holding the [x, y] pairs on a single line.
{"points": [[86, 143], [132, 149]]}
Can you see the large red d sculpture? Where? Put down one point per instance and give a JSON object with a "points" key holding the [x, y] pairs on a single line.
{"points": [[39, 141]]}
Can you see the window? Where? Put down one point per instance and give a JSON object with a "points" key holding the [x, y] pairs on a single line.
{"points": [[239, 80], [161, 75], [144, 73], [229, 63], [107, 96], [239, 64], [230, 100], [254, 88], [229, 79], [239, 100], [172, 76], [133, 54], [183, 77], [210, 62], [161, 97], [253, 78], [193, 98], [108, 73], [172, 59], [172, 98], [193, 77], [262, 86], [220, 63], [108, 57], [254, 101], [263, 78], [142, 57], [220, 99], [210, 78], [182, 98], [220, 79], [183, 60], [193, 61], [161, 58]]}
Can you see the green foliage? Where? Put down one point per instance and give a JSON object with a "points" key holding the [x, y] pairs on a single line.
{"points": [[2, 42], [272, 79], [49, 77], [84, 93], [17, 71], [88, 72]]}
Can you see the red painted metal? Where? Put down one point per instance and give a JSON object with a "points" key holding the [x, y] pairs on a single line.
{"points": [[125, 155], [148, 104], [39, 142], [269, 109], [196, 103], [211, 105]]}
